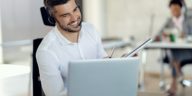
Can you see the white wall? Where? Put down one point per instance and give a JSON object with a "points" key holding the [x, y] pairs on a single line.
{"points": [[124, 18], [95, 13], [21, 19], [1, 54], [133, 17]]}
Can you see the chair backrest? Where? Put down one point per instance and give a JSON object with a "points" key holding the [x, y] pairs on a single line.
{"points": [[37, 89]]}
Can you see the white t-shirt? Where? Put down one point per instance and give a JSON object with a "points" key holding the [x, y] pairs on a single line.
{"points": [[55, 51]]}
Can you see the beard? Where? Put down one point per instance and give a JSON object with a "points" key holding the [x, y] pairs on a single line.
{"points": [[70, 28]]}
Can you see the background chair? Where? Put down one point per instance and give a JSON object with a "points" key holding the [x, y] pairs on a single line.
{"points": [[165, 61]]}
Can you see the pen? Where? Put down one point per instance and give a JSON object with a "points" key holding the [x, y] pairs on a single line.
{"points": [[112, 52]]}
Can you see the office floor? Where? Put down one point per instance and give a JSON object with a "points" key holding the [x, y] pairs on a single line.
{"points": [[151, 86]]}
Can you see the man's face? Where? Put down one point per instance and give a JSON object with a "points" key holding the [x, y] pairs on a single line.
{"points": [[68, 16], [175, 10]]}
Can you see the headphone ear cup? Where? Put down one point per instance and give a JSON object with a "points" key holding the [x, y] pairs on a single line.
{"points": [[51, 20], [50, 17], [47, 18]]}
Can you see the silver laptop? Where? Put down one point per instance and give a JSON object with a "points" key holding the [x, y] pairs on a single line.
{"points": [[103, 77]]}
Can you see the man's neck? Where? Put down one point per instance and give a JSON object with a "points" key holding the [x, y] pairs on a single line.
{"points": [[71, 36]]}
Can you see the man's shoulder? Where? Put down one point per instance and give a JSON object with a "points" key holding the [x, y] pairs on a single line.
{"points": [[86, 25], [48, 41], [90, 30]]}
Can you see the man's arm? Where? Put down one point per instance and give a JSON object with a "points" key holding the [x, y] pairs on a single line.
{"points": [[101, 51], [50, 75]]}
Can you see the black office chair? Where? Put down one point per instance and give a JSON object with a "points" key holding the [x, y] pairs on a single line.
{"points": [[37, 88], [48, 21]]}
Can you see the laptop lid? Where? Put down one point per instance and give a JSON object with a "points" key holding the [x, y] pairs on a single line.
{"points": [[104, 77]]}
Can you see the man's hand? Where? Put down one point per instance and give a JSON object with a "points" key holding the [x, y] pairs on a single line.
{"points": [[125, 55]]}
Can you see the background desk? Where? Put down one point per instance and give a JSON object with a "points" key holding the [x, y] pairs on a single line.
{"points": [[163, 45]]}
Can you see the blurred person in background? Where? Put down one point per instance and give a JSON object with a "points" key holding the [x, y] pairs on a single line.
{"points": [[177, 28]]}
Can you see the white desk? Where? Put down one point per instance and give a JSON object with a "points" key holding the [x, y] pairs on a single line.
{"points": [[164, 45]]}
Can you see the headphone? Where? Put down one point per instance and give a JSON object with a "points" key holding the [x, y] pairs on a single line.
{"points": [[47, 15], [47, 18], [50, 16]]}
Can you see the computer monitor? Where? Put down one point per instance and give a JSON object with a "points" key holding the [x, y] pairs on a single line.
{"points": [[103, 77]]}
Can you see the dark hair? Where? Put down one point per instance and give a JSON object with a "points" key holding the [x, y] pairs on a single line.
{"points": [[52, 3], [49, 4], [177, 2]]}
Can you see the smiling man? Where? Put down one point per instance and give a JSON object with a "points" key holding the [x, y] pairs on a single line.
{"points": [[70, 39]]}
